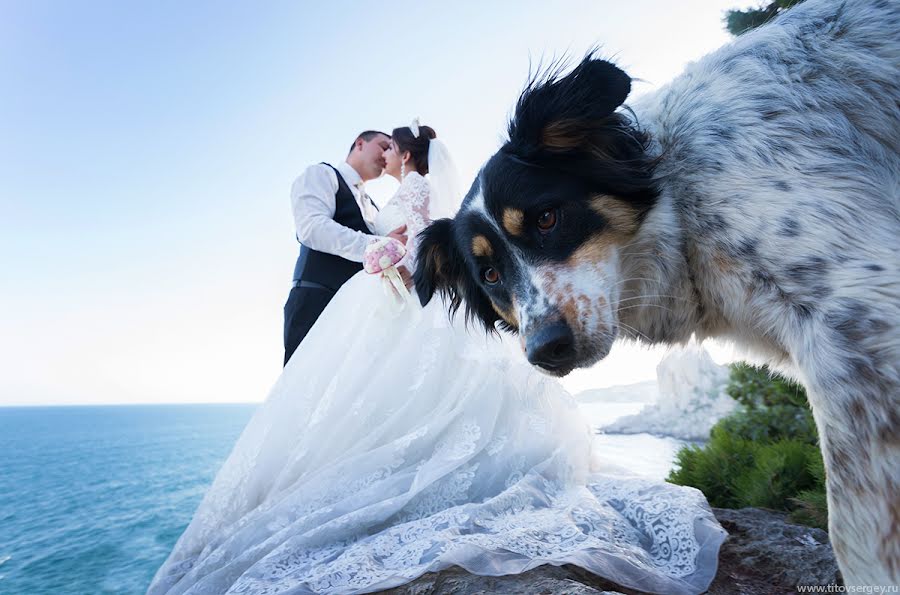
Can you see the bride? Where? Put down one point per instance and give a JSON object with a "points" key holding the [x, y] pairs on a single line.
{"points": [[395, 443]]}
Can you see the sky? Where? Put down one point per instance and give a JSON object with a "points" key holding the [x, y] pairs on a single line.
{"points": [[147, 151]]}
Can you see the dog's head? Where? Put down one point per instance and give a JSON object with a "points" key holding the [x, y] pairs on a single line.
{"points": [[535, 247]]}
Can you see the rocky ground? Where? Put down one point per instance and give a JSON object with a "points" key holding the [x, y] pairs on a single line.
{"points": [[763, 555]]}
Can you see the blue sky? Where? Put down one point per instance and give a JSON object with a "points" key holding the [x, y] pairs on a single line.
{"points": [[147, 150]]}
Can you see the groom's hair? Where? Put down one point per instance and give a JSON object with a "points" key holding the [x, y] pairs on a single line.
{"points": [[366, 136]]}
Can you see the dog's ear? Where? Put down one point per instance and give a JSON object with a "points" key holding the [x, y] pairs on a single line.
{"points": [[440, 268], [562, 114], [437, 267], [569, 123]]}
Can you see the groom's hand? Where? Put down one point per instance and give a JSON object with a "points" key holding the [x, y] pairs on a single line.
{"points": [[406, 276], [399, 234]]}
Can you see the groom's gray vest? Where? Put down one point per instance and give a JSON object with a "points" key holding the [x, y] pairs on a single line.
{"points": [[320, 268]]}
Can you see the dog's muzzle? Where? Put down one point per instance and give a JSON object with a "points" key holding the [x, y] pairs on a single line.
{"points": [[552, 347]]}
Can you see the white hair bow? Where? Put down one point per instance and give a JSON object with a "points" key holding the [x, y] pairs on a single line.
{"points": [[414, 126]]}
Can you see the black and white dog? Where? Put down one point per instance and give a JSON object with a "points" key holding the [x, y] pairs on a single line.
{"points": [[756, 197]]}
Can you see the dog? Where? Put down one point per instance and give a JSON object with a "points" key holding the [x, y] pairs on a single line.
{"points": [[755, 198]]}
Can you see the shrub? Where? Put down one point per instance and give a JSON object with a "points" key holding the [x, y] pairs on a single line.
{"points": [[780, 471], [766, 454], [754, 387], [811, 505], [712, 468], [771, 424]]}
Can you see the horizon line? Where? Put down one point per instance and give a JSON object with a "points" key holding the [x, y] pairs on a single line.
{"points": [[45, 405]]}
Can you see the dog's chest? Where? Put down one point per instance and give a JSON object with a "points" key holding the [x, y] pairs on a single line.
{"points": [[745, 298]]}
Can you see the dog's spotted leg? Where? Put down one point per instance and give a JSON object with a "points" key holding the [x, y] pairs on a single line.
{"points": [[850, 369]]}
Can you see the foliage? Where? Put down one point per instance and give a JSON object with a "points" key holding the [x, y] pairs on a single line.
{"points": [[770, 424], [811, 505], [779, 472], [766, 454], [713, 468], [754, 386], [741, 21]]}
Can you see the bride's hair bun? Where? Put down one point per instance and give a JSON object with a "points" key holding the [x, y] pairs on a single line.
{"points": [[427, 131], [416, 145]]}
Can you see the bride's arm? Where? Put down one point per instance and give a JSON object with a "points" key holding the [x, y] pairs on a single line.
{"points": [[414, 199]]}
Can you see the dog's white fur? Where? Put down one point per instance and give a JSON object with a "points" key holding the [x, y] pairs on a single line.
{"points": [[778, 226]]}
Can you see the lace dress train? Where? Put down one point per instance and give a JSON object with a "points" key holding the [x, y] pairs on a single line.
{"points": [[396, 444]]}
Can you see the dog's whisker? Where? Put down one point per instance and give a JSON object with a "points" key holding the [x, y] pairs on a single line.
{"points": [[635, 331], [648, 254], [623, 281], [673, 297], [630, 279], [643, 306]]}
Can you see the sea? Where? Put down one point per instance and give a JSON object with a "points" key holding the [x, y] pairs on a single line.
{"points": [[93, 498]]}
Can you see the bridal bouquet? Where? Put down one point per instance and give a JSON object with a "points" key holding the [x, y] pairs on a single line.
{"points": [[382, 257]]}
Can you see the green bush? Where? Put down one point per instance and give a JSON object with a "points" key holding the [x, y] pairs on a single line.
{"points": [[712, 468], [741, 21], [811, 505], [753, 387], [771, 424], [766, 454], [779, 472]]}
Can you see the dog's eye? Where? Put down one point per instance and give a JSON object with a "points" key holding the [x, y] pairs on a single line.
{"points": [[490, 275], [546, 220]]}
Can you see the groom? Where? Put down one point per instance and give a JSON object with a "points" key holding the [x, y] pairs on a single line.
{"points": [[334, 220]]}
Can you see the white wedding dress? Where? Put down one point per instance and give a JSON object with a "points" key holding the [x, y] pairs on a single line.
{"points": [[398, 443]]}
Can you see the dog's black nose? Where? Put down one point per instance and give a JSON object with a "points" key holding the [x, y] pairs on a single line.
{"points": [[552, 347]]}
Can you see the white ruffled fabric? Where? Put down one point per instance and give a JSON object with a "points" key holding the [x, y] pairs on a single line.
{"points": [[396, 444]]}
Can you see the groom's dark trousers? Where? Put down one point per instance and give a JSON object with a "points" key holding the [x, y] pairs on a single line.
{"points": [[318, 275]]}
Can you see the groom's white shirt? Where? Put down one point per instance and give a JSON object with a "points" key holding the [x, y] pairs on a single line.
{"points": [[313, 204]]}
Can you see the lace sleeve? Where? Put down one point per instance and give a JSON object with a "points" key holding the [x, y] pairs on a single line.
{"points": [[413, 198]]}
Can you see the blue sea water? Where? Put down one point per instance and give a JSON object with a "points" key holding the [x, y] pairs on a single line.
{"points": [[92, 499]]}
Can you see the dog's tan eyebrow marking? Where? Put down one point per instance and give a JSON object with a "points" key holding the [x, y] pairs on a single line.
{"points": [[621, 217], [593, 251], [623, 224], [481, 246], [513, 221]]}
